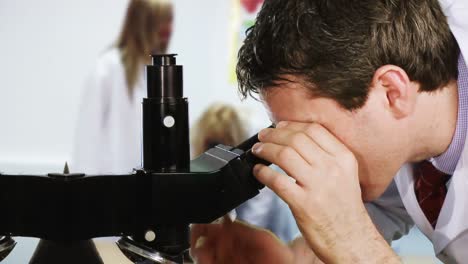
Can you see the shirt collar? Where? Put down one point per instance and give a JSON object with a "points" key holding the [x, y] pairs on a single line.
{"points": [[447, 161]]}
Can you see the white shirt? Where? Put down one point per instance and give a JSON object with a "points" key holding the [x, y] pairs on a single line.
{"points": [[108, 132]]}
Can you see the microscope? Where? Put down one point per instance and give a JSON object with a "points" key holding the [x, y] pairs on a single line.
{"points": [[151, 208]]}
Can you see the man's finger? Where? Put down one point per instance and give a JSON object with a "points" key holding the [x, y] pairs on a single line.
{"points": [[286, 158], [206, 230], [298, 140], [280, 183], [319, 134], [204, 251]]}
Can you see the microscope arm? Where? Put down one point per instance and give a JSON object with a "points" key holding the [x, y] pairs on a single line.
{"points": [[70, 207]]}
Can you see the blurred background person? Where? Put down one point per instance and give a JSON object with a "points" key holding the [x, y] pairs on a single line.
{"points": [[222, 124], [108, 134], [219, 124]]}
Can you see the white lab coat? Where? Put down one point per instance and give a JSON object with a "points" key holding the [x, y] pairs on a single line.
{"points": [[108, 133], [450, 237]]}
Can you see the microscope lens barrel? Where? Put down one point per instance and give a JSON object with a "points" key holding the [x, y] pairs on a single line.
{"points": [[166, 148], [165, 117]]}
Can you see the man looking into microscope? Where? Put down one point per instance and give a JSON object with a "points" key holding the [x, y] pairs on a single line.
{"points": [[363, 93]]}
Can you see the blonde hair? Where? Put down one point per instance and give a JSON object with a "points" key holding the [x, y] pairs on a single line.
{"points": [[219, 124], [139, 34]]}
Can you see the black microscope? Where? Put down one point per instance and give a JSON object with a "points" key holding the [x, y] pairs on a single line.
{"points": [[150, 209]]}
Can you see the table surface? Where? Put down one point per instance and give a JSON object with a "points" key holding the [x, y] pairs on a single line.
{"points": [[111, 254]]}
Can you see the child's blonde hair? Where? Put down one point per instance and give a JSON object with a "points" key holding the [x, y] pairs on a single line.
{"points": [[219, 124]]}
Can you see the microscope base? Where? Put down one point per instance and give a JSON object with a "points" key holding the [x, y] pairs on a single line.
{"points": [[54, 252]]}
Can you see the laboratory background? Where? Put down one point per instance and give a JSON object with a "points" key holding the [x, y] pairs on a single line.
{"points": [[48, 48]]}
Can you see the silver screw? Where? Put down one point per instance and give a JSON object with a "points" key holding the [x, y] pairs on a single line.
{"points": [[150, 236], [169, 121]]}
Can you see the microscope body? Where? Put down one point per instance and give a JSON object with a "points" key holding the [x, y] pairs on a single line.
{"points": [[151, 208], [166, 149]]}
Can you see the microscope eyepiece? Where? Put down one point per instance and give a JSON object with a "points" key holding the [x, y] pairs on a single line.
{"points": [[164, 59], [164, 77], [249, 157]]}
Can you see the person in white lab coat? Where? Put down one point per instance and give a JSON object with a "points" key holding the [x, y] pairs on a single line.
{"points": [[363, 93], [450, 235], [108, 132]]}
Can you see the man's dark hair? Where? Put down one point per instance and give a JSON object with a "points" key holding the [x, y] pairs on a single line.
{"points": [[335, 46]]}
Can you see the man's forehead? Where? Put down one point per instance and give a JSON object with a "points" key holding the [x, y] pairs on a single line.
{"points": [[288, 105]]}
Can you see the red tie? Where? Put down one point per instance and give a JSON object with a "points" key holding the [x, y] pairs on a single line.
{"points": [[430, 188]]}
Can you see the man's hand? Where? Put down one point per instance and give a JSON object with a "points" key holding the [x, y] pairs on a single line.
{"points": [[236, 242], [322, 191]]}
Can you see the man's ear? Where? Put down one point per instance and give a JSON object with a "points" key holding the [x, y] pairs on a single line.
{"points": [[400, 92]]}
